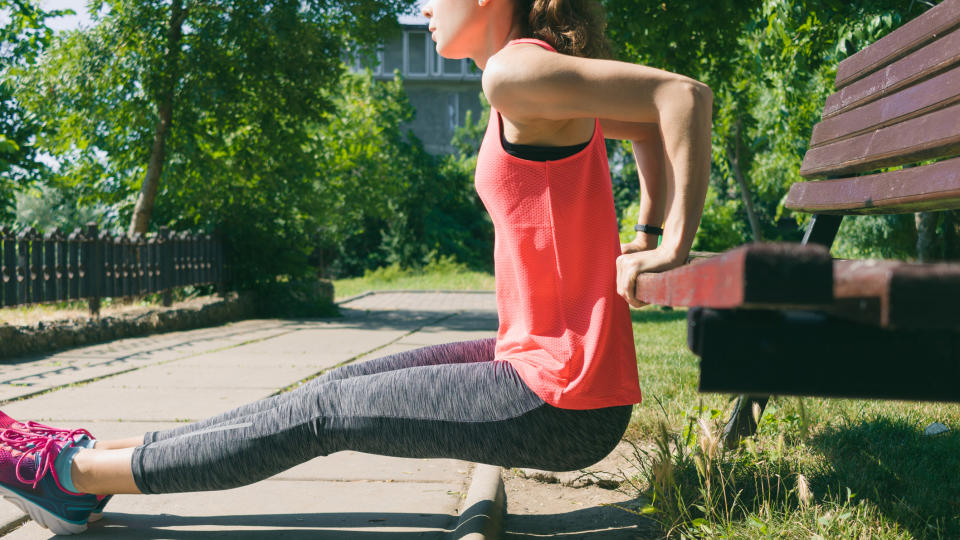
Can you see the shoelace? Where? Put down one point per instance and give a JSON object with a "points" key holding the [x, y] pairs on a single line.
{"points": [[43, 447], [67, 435]]}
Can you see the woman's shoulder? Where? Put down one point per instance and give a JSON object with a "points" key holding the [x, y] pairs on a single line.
{"points": [[516, 72]]}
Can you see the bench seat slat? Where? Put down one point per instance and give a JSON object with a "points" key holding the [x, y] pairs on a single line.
{"points": [[894, 294], [930, 95], [751, 275], [932, 59], [814, 354], [908, 37], [934, 134], [918, 189]]}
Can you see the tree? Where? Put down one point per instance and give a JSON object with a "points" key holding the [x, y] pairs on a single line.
{"points": [[23, 36]]}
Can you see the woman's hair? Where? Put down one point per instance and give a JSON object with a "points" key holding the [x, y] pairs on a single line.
{"points": [[574, 27]]}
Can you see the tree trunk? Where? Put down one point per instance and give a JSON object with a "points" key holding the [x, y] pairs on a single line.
{"points": [[148, 191], [733, 152], [927, 236]]}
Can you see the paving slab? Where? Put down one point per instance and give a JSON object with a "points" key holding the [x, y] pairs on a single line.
{"points": [[106, 402], [357, 466], [320, 342], [277, 375]]}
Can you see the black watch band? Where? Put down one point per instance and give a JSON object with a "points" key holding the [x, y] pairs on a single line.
{"points": [[649, 229]]}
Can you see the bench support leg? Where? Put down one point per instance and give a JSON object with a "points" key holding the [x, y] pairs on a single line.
{"points": [[742, 422], [822, 230]]}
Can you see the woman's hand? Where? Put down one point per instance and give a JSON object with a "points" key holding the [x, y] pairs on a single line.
{"points": [[631, 264]]}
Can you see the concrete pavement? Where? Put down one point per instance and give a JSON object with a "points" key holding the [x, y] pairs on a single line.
{"points": [[124, 388]]}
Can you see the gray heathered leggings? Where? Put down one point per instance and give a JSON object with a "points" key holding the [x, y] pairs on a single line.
{"points": [[445, 401]]}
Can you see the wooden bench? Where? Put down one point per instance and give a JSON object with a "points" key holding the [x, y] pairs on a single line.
{"points": [[787, 319]]}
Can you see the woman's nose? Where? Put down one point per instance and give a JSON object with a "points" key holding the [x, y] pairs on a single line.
{"points": [[427, 10]]}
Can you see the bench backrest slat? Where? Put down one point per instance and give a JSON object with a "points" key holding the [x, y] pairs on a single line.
{"points": [[935, 134], [918, 189], [904, 40], [935, 58]]}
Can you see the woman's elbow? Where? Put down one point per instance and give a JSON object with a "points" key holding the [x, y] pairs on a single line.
{"points": [[685, 96], [696, 93], [704, 95]]}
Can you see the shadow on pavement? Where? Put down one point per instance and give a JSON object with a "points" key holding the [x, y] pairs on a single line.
{"points": [[336, 525]]}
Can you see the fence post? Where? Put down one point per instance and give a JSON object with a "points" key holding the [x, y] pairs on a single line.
{"points": [[105, 251], [124, 244], [140, 264], [9, 267], [36, 266], [166, 266], [153, 264], [219, 265], [92, 273], [49, 269], [23, 267], [207, 259], [74, 242], [116, 249], [60, 267]]}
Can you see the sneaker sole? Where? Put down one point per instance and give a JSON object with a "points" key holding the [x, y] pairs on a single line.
{"points": [[41, 515], [97, 513]]}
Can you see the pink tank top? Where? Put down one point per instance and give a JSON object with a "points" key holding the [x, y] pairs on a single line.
{"points": [[563, 326]]}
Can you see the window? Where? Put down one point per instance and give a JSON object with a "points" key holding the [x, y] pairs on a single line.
{"points": [[392, 57], [436, 61], [453, 111], [416, 53], [452, 67]]}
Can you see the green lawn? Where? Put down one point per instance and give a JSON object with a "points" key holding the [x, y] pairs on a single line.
{"points": [[817, 468], [441, 275]]}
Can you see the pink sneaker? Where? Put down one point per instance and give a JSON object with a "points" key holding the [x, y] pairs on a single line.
{"points": [[78, 436], [29, 480]]}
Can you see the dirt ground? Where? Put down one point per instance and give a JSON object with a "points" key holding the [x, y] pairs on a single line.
{"points": [[572, 505]]}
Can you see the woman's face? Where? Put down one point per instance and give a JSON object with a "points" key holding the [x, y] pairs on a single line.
{"points": [[469, 28], [455, 25]]}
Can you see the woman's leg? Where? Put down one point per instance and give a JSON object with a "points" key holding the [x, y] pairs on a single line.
{"points": [[478, 412], [447, 353]]}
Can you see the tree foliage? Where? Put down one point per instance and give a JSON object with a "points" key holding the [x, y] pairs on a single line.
{"points": [[771, 64], [23, 36], [434, 213]]}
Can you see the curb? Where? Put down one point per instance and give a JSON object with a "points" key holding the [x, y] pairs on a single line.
{"points": [[481, 515], [349, 299]]}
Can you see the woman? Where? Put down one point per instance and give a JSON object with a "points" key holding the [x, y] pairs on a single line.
{"points": [[557, 385]]}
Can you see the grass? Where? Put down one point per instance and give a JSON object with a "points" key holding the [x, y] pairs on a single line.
{"points": [[441, 274], [79, 309], [816, 469]]}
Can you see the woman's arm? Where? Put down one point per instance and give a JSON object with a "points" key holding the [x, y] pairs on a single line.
{"points": [[647, 149], [527, 82]]}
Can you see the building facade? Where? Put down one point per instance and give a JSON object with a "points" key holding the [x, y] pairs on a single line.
{"points": [[441, 90]]}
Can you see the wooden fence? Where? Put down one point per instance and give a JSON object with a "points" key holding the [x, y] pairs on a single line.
{"points": [[89, 264]]}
